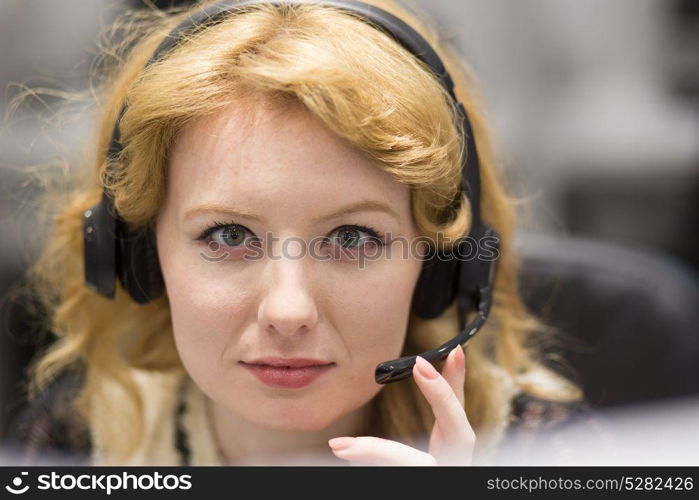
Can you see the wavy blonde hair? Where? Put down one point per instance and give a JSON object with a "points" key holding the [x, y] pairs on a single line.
{"points": [[365, 88]]}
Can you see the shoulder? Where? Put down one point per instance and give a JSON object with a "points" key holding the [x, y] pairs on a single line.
{"points": [[48, 428]]}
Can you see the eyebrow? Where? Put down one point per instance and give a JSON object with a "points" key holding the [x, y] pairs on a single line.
{"points": [[361, 206]]}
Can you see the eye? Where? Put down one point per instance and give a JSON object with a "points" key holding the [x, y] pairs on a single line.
{"points": [[347, 238], [351, 237], [230, 235]]}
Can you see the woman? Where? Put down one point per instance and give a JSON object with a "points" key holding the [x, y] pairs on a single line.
{"points": [[281, 129]]}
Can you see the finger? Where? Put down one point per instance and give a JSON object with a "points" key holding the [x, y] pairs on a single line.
{"points": [[449, 412], [455, 372], [436, 440], [369, 450]]}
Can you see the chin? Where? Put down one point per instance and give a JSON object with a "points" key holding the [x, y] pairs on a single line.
{"points": [[296, 417], [300, 423]]}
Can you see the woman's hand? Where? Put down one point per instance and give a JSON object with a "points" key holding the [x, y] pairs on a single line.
{"points": [[452, 439]]}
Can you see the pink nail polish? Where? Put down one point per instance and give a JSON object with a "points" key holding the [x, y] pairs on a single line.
{"points": [[459, 357], [425, 368], [340, 443]]}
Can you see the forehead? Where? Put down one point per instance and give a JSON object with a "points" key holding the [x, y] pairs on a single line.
{"points": [[253, 152]]}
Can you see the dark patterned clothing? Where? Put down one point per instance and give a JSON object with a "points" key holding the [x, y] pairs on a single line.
{"points": [[48, 431]]}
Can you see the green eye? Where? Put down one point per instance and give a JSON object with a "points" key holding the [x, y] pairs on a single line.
{"points": [[348, 238], [233, 236], [351, 237]]}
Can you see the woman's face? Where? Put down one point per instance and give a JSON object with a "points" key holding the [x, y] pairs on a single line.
{"points": [[279, 179]]}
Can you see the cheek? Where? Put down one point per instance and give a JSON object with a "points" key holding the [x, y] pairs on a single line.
{"points": [[204, 327], [373, 326], [208, 306], [375, 320], [200, 289]]}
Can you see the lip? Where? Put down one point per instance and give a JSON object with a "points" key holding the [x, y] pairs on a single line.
{"points": [[288, 362], [282, 376]]}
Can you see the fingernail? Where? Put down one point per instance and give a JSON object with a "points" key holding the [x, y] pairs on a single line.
{"points": [[340, 443], [459, 357], [425, 368]]}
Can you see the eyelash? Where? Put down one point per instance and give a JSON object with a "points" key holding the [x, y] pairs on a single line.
{"points": [[374, 235]]}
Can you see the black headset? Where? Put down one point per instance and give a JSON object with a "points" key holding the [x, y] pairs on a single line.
{"points": [[112, 250]]}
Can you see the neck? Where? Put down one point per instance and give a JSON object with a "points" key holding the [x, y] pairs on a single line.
{"points": [[243, 443]]}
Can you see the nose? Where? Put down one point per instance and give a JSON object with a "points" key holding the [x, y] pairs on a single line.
{"points": [[288, 306]]}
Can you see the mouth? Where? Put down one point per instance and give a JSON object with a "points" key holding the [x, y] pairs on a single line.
{"points": [[287, 374], [288, 362]]}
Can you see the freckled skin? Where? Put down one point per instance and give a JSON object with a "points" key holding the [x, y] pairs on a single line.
{"points": [[289, 169]]}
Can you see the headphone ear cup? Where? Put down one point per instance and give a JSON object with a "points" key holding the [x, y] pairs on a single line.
{"points": [[139, 267], [436, 286], [445, 276], [100, 252]]}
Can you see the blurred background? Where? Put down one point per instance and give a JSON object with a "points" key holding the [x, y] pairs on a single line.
{"points": [[595, 105]]}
